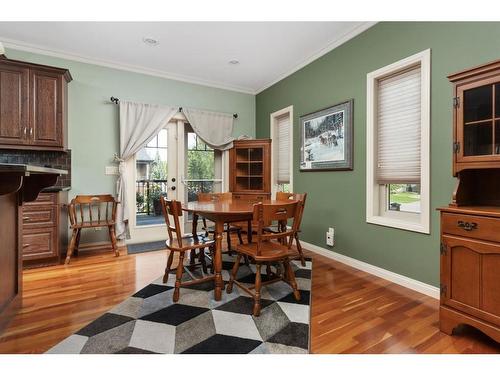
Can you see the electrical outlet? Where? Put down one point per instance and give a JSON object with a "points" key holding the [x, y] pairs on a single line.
{"points": [[330, 237]]}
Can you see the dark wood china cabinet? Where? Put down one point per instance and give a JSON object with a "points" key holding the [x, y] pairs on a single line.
{"points": [[470, 225], [250, 169]]}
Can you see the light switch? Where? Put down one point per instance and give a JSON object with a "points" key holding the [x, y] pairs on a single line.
{"points": [[111, 170]]}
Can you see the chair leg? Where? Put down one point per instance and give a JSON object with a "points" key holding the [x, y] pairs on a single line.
{"points": [[256, 304], [71, 246], [203, 260], [178, 276], [77, 243], [247, 262], [169, 264], [192, 259], [299, 249], [112, 236], [291, 279], [240, 238], [234, 271], [228, 239]]}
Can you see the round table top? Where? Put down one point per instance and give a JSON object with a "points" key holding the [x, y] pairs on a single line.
{"points": [[235, 206]]}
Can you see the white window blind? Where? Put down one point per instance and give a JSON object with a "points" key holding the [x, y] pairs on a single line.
{"points": [[283, 148], [398, 127]]}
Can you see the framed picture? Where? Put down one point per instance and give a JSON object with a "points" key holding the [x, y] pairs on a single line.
{"points": [[326, 141]]}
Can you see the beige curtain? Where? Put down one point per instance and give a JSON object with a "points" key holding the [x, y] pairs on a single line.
{"points": [[214, 128], [139, 123]]}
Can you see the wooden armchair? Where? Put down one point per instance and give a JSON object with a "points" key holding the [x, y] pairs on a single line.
{"points": [[178, 243], [266, 249], [91, 211], [281, 196]]}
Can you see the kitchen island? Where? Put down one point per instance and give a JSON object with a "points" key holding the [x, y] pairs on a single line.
{"points": [[19, 183]]}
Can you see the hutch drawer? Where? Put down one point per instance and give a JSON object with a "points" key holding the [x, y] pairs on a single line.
{"points": [[471, 226]]}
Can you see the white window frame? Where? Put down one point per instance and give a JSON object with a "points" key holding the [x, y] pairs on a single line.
{"points": [[377, 211], [273, 121]]}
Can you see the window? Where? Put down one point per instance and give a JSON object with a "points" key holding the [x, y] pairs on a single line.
{"points": [[398, 127], [282, 150]]}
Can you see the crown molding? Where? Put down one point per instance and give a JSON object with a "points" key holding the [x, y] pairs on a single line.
{"points": [[323, 51], [42, 50], [22, 46]]}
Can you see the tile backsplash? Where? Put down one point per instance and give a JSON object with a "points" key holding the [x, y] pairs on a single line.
{"points": [[54, 159]]}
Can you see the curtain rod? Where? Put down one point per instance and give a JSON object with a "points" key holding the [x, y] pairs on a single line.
{"points": [[116, 101]]}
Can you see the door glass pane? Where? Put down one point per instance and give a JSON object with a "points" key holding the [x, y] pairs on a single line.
{"points": [[151, 171], [478, 139], [203, 168], [404, 197], [478, 103]]}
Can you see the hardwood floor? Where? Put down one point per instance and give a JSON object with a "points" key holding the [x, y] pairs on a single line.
{"points": [[352, 311]]}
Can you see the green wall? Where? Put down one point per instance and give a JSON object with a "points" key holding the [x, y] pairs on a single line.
{"points": [[338, 198], [93, 121]]}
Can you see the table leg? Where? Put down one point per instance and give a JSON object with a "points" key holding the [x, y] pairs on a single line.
{"points": [[219, 283], [249, 231], [195, 225]]}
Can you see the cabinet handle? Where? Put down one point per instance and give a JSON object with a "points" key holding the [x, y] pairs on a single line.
{"points": [[31, 132], [25, 131], [466, 225], [26, 245], [26, 218]]}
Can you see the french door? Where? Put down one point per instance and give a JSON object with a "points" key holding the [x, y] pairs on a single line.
{"points": [[176, 164]]}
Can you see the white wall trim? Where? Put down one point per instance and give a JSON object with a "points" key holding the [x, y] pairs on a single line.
{"points": [[272, 122], [27, 47], [405, 281], [323, 51], [374, 213]]}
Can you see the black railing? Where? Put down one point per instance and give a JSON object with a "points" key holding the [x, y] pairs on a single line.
{"points": [[147, 196]]}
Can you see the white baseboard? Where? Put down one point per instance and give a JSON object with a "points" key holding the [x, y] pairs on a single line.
{"points": [[407, 282]]}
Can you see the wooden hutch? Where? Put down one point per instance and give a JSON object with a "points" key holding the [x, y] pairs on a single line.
{"points": [[470, 225], [250, 169]]}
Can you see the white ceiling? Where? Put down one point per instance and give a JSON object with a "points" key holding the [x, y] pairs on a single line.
{"points": [[197, 52]]}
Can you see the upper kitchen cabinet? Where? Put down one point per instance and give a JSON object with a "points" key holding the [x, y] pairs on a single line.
{"points": [[33, 106]]}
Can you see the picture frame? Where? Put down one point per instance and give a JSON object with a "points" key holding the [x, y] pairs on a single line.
{"points": [[326, 139]]}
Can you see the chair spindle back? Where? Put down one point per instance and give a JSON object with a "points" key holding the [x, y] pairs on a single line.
{"points": [[268, 213], [172, 208], [281, 196], [92, 210]]}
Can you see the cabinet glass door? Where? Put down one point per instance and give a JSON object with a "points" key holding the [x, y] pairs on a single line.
{"points": [[479, 122]]}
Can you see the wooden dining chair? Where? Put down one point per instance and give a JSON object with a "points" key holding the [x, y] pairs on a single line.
{"points": [[181, 244], [229, 228], [267, 249], [281, 196], [91, 211]]}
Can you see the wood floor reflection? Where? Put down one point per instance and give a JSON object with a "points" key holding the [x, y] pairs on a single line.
{"points": [[352, 311]]}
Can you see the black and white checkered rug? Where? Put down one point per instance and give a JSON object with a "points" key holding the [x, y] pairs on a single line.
{"points": [[149, 322]]}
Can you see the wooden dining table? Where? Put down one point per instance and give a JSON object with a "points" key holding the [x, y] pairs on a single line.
{"points": [[220, 212]]}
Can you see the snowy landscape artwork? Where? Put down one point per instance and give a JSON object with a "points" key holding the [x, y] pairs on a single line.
{"points": [[327, 139]]}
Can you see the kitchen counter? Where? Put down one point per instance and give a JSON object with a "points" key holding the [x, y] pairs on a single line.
{"points": [[29, 169], [19, 183]]}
